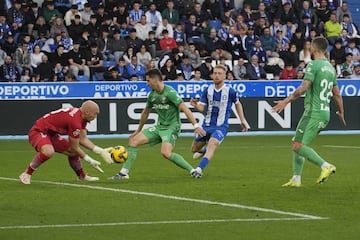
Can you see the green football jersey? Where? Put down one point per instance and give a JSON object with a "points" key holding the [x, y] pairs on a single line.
{"points": [[323, 77], [166, 104]]}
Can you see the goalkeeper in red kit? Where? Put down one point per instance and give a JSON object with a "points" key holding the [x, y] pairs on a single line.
{"points": [[46, 137]]}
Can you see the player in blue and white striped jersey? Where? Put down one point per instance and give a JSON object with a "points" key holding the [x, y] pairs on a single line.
{"points": [[216, 103]]}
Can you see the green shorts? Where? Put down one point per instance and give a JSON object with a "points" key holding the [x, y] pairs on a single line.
{"points": [[157, 135], [308, 128]]}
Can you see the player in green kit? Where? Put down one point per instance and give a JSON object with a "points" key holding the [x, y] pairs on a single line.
{"points": [[167, 103], [320, 85]]}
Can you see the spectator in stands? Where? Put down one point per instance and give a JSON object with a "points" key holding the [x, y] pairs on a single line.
{"points": [[275, 27], [128, 55], [179, 34], [249, 39], [95, 61], [60, 72], [206, 69], [240, 28], [200, 14], [247, 14], [5, 28], [323, 13], [194, 55], [352, 48], [222, 61], [33, 14], [59, 56], [215, 46], [8, 71], [134, 68], [57, 27], [281, 42], [93, 28], [168, 71], [77, 61], [143, 56], [120, 15], [309, 12], [351, 28], [41, 28], [192, 31], [16, 19], [117, 46], [71, 13], [133, 41], [171, 14], [151, 65], [86, 14], [261, 12], [164, 25], [332, 29], [226, 6], [338, 53], [66, 41], [289, 72], [267, 41], [234, 45], [239, 69], [356, 72], [45, 70], [25, 76], [153, 16], [153, 46], [9, 46], [342, 10], [2, 56], [305, 53], [286, 13], [259, 51], [112, 74], [260, 26], [36, 57], [223, 32], [298, 39], [167, 42], [22, 58], [101, 14], [186, 68], [344, 37], [211, 7], [143, 28], [135, 14], [347, 66], [274, 65], [76, 28], [254, 71], [50, 13], [29, 19], [197, 76], [103, 43], [289, 29], [230, 76], [229, 17]]}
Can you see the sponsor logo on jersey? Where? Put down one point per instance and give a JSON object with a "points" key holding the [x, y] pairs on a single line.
{"points": [[76, 132]]}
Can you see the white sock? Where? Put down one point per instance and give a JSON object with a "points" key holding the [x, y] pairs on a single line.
{"points": [[324, 165], [296, 178], [124, 171]]}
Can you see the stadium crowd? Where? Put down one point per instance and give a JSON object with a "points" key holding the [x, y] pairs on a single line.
{"points": [[114, 40]]}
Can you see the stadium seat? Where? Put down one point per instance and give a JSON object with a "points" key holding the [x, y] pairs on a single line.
{"points": [[215, 24], [82, 78]]}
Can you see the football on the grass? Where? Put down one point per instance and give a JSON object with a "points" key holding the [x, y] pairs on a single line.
{"points": [[119, 154]]}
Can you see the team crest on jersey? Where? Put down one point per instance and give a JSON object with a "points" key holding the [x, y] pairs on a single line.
{"points": [[76, 132], [163, 100]]}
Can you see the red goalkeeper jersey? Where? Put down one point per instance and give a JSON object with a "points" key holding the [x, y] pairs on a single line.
{"points": [[62, 121]]}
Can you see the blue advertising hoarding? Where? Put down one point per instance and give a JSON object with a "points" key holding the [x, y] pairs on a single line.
{"points": [[126, 90]]}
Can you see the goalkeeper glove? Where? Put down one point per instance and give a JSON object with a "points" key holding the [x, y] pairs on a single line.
{"points": [[104, 153], [93, 163]]}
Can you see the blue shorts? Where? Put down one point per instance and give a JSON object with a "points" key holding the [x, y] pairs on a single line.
{"points": [[212, 132]]}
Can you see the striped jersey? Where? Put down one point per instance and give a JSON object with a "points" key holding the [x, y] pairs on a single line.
{"points": [[218, 104]]}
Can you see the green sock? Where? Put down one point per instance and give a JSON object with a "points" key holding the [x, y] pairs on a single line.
{"points": [[298, 163], [310, 154], [180, 161], [131, 159]]}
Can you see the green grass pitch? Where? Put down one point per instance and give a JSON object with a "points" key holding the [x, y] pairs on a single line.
{"points": [[239, 196]]}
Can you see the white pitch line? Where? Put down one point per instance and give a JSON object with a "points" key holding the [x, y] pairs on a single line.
{"points": [[346, 147], [233, 205], [154, 223]]}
